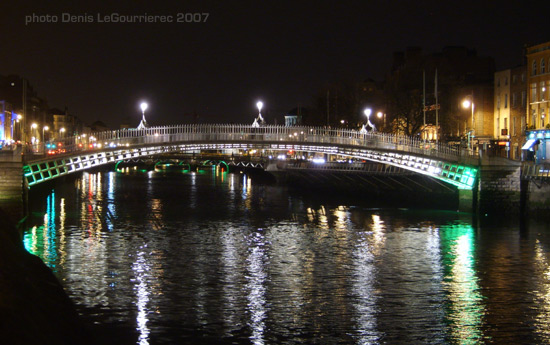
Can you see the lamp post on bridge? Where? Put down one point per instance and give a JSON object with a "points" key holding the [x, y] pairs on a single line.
{"points": [[143, 124], [259, 120]]}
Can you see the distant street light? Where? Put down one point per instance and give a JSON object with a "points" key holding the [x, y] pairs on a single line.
{"points": [[45, 128], [380, 115], [61, 131], [467, 103]]}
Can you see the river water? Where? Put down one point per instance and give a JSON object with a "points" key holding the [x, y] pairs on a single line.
{"points": [[211, 257]]}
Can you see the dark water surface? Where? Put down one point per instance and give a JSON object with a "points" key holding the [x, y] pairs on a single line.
{"points": [[218, 258]]}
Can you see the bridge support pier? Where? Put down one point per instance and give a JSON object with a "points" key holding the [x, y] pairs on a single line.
{"points": [[12, 191], [466, 200]]}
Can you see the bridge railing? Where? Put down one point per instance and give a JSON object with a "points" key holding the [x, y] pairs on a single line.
{"points": [[267, 134]]}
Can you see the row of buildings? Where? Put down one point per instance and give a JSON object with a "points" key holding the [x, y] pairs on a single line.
{"points": [[453, 96], [26, 117]]}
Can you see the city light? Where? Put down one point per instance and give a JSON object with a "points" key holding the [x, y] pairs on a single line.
{"points": [[368, 112]]}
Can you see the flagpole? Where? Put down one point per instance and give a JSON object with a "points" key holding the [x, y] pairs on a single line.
{"points": [[424, 102], [436, 110]]}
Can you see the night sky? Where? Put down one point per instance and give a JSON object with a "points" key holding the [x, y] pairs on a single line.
{"points": [[281, 52]]}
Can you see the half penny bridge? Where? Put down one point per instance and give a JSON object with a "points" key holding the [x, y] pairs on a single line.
{"points": [[264, 147]]}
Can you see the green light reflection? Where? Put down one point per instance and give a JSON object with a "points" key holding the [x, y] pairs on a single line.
{"points": [[42, 240], [465, 308]]}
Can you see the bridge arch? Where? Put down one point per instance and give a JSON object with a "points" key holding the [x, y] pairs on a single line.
{"points": [[440, 161]]}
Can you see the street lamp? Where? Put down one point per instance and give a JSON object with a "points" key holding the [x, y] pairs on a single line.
{"points": [[61, 131], [45, 128], [368, 112], [260, 105], [467, 103], [380, 115], [143, 123]]}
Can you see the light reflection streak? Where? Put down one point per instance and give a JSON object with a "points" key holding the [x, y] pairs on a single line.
{"points": [[141, 270], [466, 308], [368, 246], [542, 293], [62, 239], [256, 279], [231, 289], [110, 210]]}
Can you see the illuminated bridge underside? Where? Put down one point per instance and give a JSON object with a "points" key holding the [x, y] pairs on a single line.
{"points": [[458, 175]]}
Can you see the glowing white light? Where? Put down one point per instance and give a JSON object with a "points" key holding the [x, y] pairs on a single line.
{"points": [[260, 105], [143, 106], [466, 103], [368, 111], [319, 160]]}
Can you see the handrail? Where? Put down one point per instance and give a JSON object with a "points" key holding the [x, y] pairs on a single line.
{"points": [[268, 134]]}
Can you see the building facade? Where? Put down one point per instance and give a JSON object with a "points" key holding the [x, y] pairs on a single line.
{"points": [[538, 106], [510, 106], [518, 107]]}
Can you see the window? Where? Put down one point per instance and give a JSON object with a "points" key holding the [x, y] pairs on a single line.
{"points": [[514, 120], [542, 91], [523, 98], [542, 66], [514, 100], [533, 93], [534, 68], [534, 115], [542, 119], [505, 100], [498, 101], [514, 78]]}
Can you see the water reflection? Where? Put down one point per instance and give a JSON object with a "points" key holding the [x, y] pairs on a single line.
{"points": [[232, 260], [465, 308], [141, 270], [255, 285], [369, 244], [542, 292]]}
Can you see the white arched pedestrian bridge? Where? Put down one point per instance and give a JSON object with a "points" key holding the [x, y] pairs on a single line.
{"points": [[441, 161]]}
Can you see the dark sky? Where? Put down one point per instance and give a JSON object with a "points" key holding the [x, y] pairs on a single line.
{"points": [[282, 52]]}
